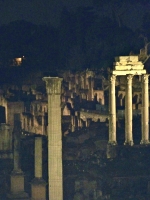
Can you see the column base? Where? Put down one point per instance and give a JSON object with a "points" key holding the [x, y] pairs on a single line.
{"points": [[113, 143], [18, 196], [145, 142], [130, 143], [38, 189], [17, 186], [111, 150]]}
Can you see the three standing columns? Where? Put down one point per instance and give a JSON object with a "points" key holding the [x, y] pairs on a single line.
{"points": [[128, 111], [145, 110], [55, 174]]}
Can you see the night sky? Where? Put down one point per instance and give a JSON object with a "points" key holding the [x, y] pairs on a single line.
{"points": [[74, 35], [36, 11], [48, 11]]}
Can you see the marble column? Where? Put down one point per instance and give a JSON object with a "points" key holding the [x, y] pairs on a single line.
{"points": [[38, 185], [128, 112], [53, 86], [112, 111], [145, 110]]}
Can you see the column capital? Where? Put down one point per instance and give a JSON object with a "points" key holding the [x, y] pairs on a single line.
{"points": [[145, 78], [129, 77], [112, 78], [53, 85]]}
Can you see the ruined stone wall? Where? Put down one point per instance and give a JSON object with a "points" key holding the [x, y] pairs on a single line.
{"points": [[14, 108]]}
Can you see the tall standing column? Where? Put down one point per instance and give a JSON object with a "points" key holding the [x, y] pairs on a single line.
{"points": [[128, 112], [53, 86], [145, 110], [112, 111]]}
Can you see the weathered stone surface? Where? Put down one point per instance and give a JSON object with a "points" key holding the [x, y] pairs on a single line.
{"points": [[53, 86]]}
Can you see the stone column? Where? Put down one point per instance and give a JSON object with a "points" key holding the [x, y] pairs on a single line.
{"points": [[38, 157], [17, 176], [43, 124], [90, 88], [128, 112], [38, 185], [72, 123], [145, 110], [87, 122], [112, 111], [53, 86]]}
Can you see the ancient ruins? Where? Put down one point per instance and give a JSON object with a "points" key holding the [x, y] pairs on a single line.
{"points": [[129, 66], [82, 115]]}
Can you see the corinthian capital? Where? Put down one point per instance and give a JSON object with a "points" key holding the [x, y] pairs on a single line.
{"points": [[53, 85], [129, 78], [112, 78], [145, 78]]}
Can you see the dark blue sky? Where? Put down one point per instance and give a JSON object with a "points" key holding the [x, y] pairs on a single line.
{"points": [[48, 11], [36, 11]]}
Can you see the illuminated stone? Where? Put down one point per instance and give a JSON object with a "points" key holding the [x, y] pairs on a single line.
{"points": [[128, 112], [53, 86], [145, 110], [38, 185], [112, 111]]}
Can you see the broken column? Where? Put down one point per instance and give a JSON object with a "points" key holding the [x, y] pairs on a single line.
{"points": [[38, 185], [17, 176], [145, 110], [53, 86], [128, 112]]}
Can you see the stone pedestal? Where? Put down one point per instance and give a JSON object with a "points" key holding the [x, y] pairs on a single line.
{"points": [[17, 187], [53, 86], [111, 151], [38, 189], [38, 185], [145, 110], [128, 112], [112, 111]]}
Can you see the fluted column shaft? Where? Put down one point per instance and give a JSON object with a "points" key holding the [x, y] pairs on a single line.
{"points": [[53, 86], [145, 110], [128, 112], [112, 111]]}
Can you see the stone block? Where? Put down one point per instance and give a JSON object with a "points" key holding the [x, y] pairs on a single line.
{"points": [[17, 187], [125, 72], [17, 183], [139, 106], [127, 58], [111, 151], [133, 106], [38, 189]]}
